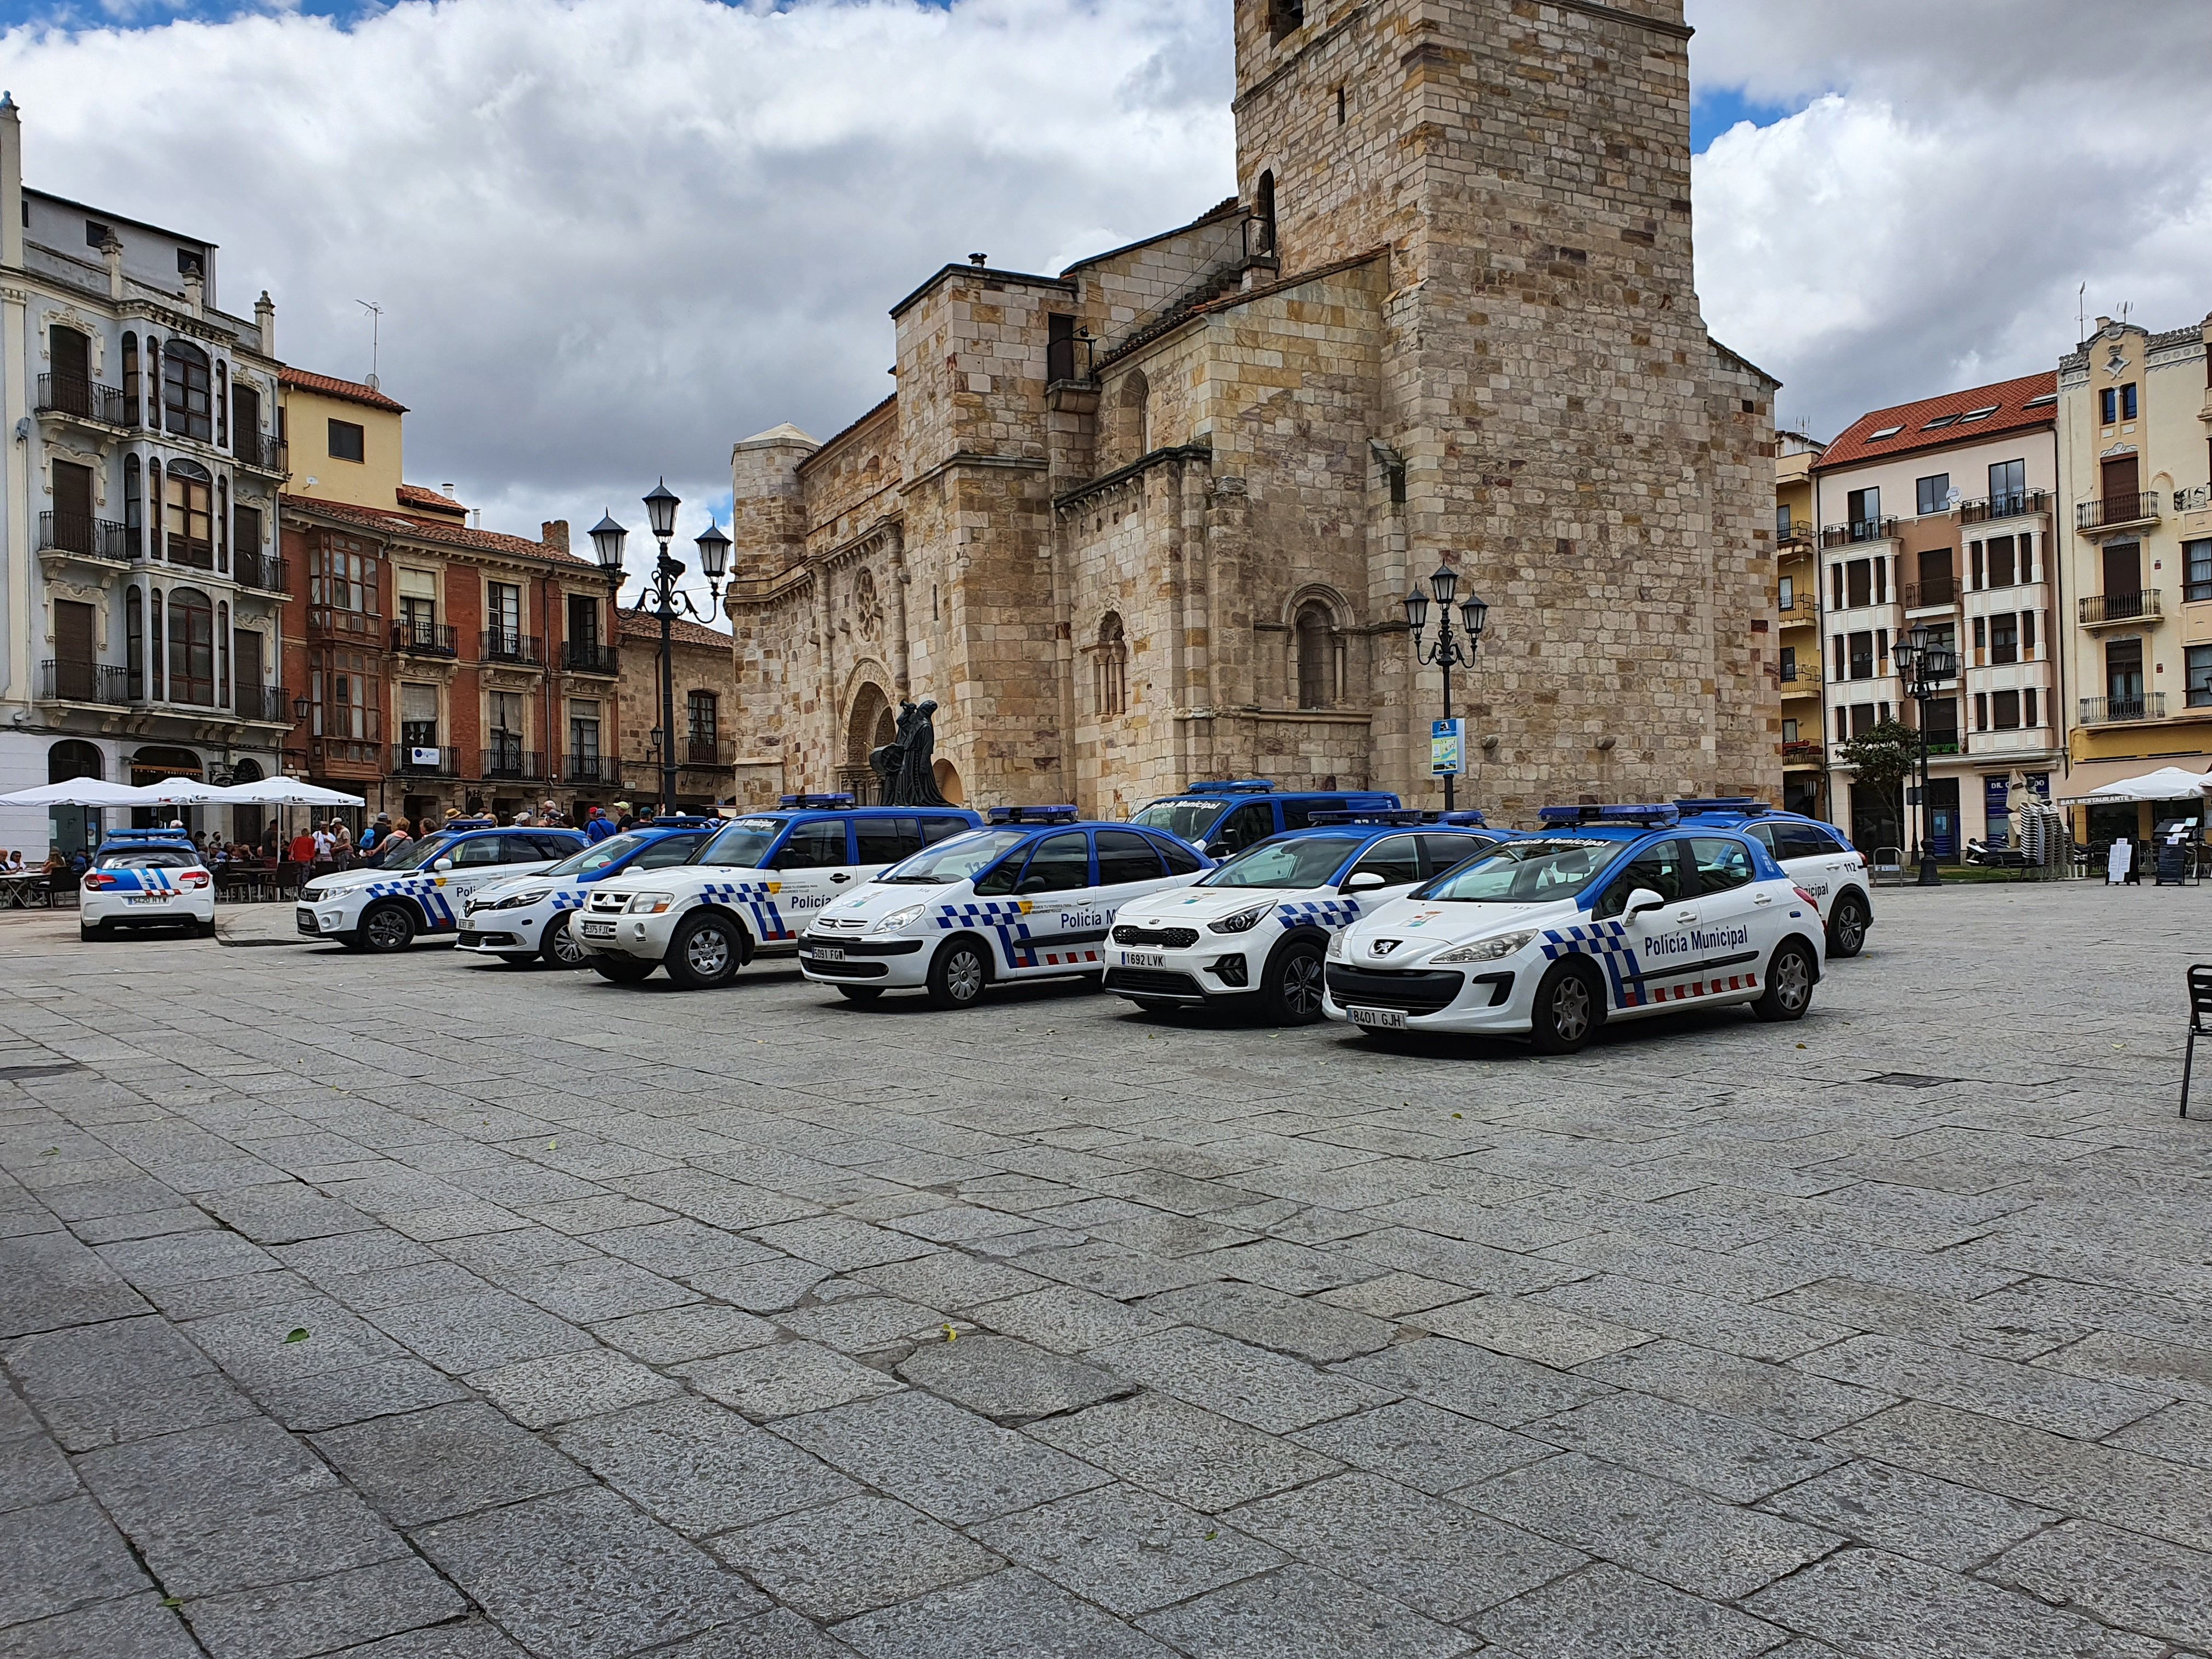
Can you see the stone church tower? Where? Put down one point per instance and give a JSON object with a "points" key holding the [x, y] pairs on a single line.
{"points": [[1150, 520]]}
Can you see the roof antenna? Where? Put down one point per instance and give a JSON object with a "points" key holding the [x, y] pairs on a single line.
{"points": [[375, 332], [2081, 311], [2126, 305]]}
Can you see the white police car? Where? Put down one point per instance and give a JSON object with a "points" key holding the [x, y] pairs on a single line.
{"points": [[1255, 929], [1030, 897], [146, 879], [1819, 857], [751, 888], [1607, 913], [424, 886], [520, 919]]}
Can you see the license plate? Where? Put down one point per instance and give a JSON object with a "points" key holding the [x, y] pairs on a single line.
{"points": [[1381, 1019], [1143, 959], [148, 898], [598, 930], [307, 922], [828, 952]]}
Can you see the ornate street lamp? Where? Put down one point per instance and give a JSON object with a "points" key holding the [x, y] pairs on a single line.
{"points": [[661, 598], [1924, 667], [1451, 650]]}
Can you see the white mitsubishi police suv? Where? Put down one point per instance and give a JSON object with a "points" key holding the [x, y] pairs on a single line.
{"points": [[426, 885], [1607, 913]]}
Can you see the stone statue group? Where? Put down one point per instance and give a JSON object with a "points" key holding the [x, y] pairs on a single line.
{"points": [[905, 763]]}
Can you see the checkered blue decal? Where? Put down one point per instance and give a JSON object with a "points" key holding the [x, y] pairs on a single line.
{"points": [[1020, 948], [757, 898], [1607, 943], [431, 899], [1330, 913]]}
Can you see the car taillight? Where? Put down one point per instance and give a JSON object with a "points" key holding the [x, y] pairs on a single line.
{"points": [[195, 878], [97, 882], [1809, 898]]}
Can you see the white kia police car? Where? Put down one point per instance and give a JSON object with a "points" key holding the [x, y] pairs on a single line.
{"points": [[1606, 912], [1030, 897], [1255, 929], [1819, 857], [521, 919], [146, 879], [751, 888], [426, 883]]}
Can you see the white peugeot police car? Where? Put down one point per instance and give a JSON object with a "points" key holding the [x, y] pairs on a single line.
{"points": [[521, 919], [1819, 857], [146, 879], [1255, 929], [1030, 897], [424, 886], [1607, 913], [751, 889]]}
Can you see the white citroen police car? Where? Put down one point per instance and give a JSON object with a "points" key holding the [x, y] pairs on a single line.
{"points": [[423, 888], [1607, 913], [1255, 929], [751, 888], [1030, 897], [146, 879], [1819, 857], [522, 919]]}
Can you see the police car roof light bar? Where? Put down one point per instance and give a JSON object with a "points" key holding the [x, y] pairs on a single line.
{"points": [[1652, 816], [1470, 816], [1032, 815], [1399, 815], [684, 820], [808, 803], [1233, 787], [157, 836], [1694, 807]]}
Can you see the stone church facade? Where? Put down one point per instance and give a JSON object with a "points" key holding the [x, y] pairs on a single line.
{"points": [[1150, 520]]}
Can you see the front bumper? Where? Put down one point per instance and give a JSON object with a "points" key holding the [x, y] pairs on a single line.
{"points": [[1220, 967], [645, 938], [1483, 998], [500, 932], [327, 919], [896, 963]]}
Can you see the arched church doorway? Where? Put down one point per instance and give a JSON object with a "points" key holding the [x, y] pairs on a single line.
{"points": [[871, 725]]}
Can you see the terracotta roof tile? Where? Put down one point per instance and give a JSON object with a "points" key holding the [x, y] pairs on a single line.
{"points": [[439, 531], [331, 386], [2007, 401], [632, 626], [416, 495]]}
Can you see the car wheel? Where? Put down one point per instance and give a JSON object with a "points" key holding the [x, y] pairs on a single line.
{"points": [[1569, 1007], [388, 928], [1847, 926], [622, 970], [958, 975], [88, 932], [1790, 975], [1292, 992], [708, 951], [860, 992], [559, 946], [204, 929]]}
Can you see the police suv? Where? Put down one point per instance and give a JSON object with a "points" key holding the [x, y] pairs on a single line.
{"points": [[521, 918], [752, 887], [1030, 897], [426, 883], [1255, 929], [1819, 857], [1223, 818], [1606, 912], [146, 879]]}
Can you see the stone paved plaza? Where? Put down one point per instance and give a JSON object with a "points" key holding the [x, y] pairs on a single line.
{"points": [[422, 1308]]}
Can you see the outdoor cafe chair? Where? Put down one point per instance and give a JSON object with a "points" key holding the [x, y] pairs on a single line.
{"points": [[2200, 1008]]}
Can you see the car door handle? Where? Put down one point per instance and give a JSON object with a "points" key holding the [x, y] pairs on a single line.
{"points": [[1764, 898], [1682, 916], [840, 878]]}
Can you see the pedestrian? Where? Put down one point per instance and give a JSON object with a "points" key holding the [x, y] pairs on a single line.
{"points": [[302, 850], [597, 828], [547, 813], [623, 818], [522, 819], [270, 841], [341, 844], [323, 844]]}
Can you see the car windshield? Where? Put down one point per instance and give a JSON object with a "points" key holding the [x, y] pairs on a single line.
{"points": [[958, 859], [1190, 819], [416, 853], [743, 845], [1524, 873], [1302, 861], [612, 850], [148, 857]]}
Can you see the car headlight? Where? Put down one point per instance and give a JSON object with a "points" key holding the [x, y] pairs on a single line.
{"points": [[1493, 949], [1243, 922], [515, 901], [898, 918], [652, 905], [1336, 946]]}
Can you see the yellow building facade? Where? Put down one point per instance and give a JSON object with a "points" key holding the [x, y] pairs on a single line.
{"points": [[1797, 610]]}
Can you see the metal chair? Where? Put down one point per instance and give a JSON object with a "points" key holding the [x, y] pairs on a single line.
{"points": [[2200, 1009]]}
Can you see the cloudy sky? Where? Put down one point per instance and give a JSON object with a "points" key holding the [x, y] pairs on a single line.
{"points": [[610, 236]]}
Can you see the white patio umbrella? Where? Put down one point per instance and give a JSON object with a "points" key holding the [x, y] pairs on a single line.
{"points": [[2168, 783], [289, 792], [77, 792], [179, 792]]}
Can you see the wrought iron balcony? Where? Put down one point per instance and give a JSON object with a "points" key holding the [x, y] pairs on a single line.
{"points": [[423, 639], [2101, 609], [592, 769], [425, 760], [704, 751], [88, 538], [262, 451], [1799, 753], [2110, 512], [1934, 593], [588, 657], [1799, 534], [1801, 681], [266, 703], [68, 394], [84, 682], [504, 645], [2117, 711], [1859, 529], [2017, 506], [260, 570], [501, 762]]}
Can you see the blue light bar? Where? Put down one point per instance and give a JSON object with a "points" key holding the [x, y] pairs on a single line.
{"points": [[160, 837], [1651, 815], [1695, 806], [1465, 817], [686, 821], [1232, 786], [1399, 815], [809, 803], [1031, 815]]}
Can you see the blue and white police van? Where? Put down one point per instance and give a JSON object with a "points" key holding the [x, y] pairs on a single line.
{"points": [[530, 918], [1254, 931], [426, 884], [1604, 913], [1030, 896], [1818, 856], [1223, 817], [751, 888], [146, 879]]}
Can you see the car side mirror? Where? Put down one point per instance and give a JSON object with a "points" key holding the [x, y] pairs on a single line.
{"points": [[1640, 900], [1216, 849], [1364, 881], [443, 864]]}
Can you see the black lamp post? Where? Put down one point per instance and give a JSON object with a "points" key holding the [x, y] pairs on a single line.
{"points": [[662, 598], [1924, 667], [1451, 650]]}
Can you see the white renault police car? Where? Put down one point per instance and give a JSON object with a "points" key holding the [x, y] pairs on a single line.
{"points": [[751, 888], [1607, 913], [1819, 857], [521, 919], [424, 887], [1030, 897], [146, 879], [1255, 929]]}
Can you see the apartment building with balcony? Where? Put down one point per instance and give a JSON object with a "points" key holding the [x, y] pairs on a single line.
{"points": [[440, 664], [2136, 458], [1942, 513], [706, 702], [1797, 610], [142, 587]]}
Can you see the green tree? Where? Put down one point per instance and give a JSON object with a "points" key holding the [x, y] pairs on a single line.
{"points": [[1884, 759]]}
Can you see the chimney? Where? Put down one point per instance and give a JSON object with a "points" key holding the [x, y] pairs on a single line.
{"points": [[264, 322], [2103, 323], [195, 294], [11, 183], [112, 251], [554, 534]]}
